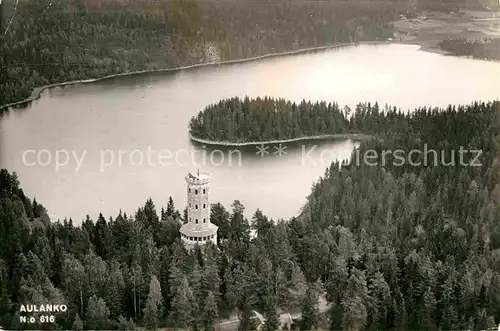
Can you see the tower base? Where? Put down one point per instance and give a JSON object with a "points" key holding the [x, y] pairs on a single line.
{"points": [[190, 237]]}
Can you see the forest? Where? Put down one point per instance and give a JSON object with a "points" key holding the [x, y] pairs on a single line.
{"points": [[236, 120], [47, 41], [262, 119], [391, 247], [487, 49]]}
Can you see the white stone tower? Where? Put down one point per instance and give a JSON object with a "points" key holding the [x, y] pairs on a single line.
{"points": [[198, 229]]}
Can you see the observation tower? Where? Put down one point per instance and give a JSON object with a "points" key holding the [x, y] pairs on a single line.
{"points": [[198, 229]]}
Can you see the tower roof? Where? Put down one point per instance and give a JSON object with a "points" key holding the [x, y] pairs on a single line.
{"points": [[198, 177]]}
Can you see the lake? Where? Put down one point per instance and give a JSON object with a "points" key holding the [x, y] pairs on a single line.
{"points": [[122, 140]]}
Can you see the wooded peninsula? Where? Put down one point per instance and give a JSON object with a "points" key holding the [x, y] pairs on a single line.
{"points": [[235, 120], [389, 247]]}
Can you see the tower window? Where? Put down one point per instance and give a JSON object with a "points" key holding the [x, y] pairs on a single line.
{"points": [[204, 220], [203, 191], [195, 191], [190, 238], [196, 206], [190, 220], [189, 190], [190, 205], [196, 221], [204, 238], [204, 206]]}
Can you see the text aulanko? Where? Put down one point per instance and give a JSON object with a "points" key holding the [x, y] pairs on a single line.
{"points": [[43, 308]]}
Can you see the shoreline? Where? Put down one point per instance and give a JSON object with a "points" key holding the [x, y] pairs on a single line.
{"points": [[425, 28], [352, 136], [37, 91]]}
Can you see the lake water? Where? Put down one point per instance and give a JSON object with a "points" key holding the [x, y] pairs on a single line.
{"points": [[119, 121]]}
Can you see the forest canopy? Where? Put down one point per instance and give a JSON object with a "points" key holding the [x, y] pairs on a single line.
{"points": [[238, 120]]}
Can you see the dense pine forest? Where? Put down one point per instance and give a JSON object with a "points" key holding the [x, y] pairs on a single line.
{"points": [[393, 247], [237, 120], [46, 42], [261, 119], [488, 49]]}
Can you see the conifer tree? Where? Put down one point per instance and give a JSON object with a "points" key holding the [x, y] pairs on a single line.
{"points": [[123, 324], [309, 309], [272, 322], [96, 317], [77, 323], [154, 307], [151, 314], [183, 306], [247, 319], [210, 311]]}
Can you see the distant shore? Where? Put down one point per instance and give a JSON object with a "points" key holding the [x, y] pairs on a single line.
{"points": [[37, 91], [353, 136], [423, 32]]}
